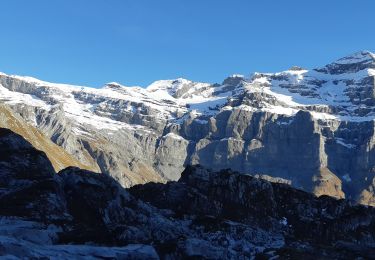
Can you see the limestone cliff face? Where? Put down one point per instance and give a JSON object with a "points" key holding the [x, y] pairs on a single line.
{"points": [[313, 129], [311, 155]]}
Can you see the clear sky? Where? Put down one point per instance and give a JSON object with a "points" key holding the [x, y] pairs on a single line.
{"points": [[134, 42]]}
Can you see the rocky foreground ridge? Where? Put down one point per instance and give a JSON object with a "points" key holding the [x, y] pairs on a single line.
{"points": [[312, 128], [205, 215]]}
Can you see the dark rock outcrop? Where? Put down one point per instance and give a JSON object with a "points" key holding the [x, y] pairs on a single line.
{"points": [[321, 227], [29, 187]]}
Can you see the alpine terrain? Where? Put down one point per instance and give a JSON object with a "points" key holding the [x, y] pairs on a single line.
{"points": [[313, 129]]}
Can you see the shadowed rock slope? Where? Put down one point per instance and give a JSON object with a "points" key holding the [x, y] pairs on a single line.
{"points": [[205, 215]]}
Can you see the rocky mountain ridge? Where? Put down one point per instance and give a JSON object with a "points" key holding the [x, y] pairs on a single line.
{"points": [[206, 215], [313, 129]]}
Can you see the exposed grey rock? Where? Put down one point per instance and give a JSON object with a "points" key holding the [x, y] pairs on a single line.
{"points": [[314, 129]]}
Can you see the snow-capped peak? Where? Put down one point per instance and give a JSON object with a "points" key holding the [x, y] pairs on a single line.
{"points": [[341, 89], [169, 84], [237, 76], [177, 88], [115, 84], [358, 57]]}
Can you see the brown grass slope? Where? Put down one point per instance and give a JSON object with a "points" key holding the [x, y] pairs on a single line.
{"points": [[58, 156]]}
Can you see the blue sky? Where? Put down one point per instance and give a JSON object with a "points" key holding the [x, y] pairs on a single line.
{"points": [[92, 42]]}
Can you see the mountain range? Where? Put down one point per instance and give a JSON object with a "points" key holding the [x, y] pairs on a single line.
{"points": [[312, 129], [191, 170]]}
